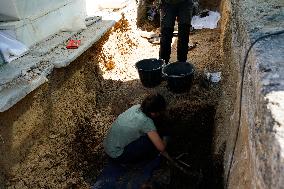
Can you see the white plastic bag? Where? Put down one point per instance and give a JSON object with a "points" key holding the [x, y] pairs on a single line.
{"points": [[10, 47], [213, 77]]}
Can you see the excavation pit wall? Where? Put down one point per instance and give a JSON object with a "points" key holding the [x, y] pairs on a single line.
{"points": [[253, 142], [53, 137]]}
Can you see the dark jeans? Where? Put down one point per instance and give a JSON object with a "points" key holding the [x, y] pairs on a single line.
{"points": [[169, 12], [137, 151]]}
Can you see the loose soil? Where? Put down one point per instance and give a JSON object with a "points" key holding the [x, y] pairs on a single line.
{"points": [[60, 145]]}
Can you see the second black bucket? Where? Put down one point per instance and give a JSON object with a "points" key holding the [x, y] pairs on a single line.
{"points": [[150, 71], [179, 76]]}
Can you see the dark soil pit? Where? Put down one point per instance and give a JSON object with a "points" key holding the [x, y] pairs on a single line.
{"points": [[192, 135]]}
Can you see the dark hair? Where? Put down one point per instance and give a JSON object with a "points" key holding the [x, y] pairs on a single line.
{"points": [[153, 103]]}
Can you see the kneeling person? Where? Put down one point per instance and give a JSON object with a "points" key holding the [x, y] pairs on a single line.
{"points": [[133, 136]]}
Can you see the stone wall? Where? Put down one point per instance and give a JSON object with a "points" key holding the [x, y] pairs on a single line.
{"points": [[259, 152]]}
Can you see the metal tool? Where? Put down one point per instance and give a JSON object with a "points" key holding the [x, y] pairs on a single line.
{"points": [[176, 164], [182, 162]]}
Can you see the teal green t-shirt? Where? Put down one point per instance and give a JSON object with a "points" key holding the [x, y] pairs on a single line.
{"points": [[128, 127]]}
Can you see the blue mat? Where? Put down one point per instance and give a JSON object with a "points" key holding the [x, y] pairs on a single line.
{"points": [[115, 176]]}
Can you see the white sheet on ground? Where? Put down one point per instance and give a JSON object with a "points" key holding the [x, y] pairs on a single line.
{"points": [[209, 21], [10, 47]]}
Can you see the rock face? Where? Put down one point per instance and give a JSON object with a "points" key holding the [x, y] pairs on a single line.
{"points": [[257, 143]]}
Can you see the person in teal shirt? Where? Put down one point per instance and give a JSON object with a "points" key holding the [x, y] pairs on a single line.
{"points": [[133, 136]]}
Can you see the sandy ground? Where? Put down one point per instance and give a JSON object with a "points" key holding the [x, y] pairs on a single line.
{"points": [[68, 153]]}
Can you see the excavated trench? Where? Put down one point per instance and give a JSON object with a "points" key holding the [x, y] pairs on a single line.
{"points": [[192, 142], [191, 120], [53, 137]]}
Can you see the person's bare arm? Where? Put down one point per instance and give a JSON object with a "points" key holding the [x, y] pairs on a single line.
{"points": [[157, 141]]}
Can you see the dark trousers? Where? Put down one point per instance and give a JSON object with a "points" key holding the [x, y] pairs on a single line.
{"points": [[137, 151], [169, 12]]}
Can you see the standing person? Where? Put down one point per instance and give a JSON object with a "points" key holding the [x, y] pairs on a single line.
{"points": [[170, 10], [133, 136]]}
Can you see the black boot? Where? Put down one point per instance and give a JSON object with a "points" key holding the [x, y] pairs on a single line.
{"points": [[182, 43]]}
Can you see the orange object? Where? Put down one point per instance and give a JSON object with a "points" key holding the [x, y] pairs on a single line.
{"points": [[73, 44]]}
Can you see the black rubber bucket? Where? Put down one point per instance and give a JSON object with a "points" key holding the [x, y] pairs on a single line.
{"points": [[150, 71], [179, 76]]}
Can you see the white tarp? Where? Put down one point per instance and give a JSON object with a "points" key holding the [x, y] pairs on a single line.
{"points": [[9, 9], [21, 9], [43, 18], [11, 48], [209, 21]]}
